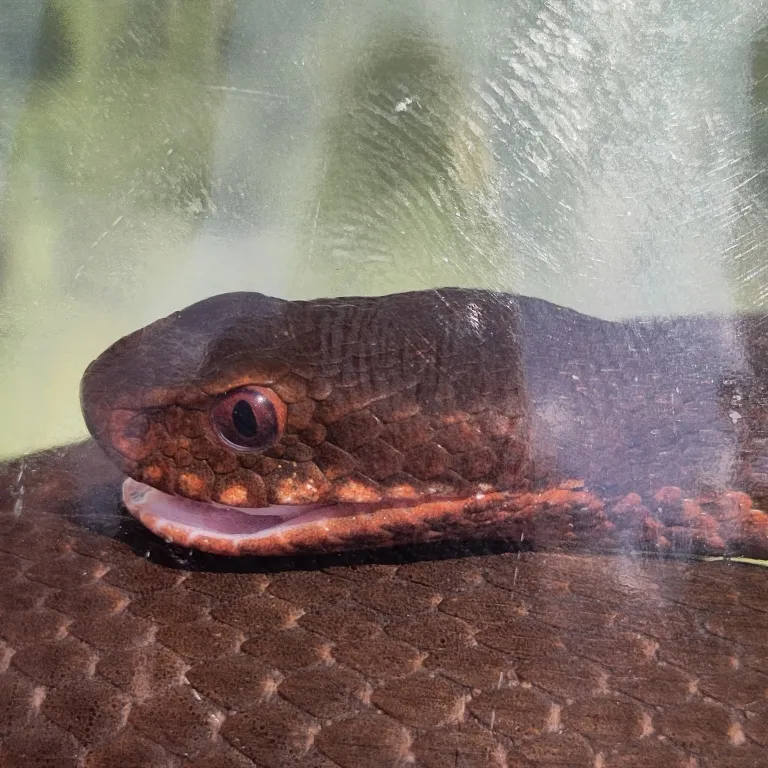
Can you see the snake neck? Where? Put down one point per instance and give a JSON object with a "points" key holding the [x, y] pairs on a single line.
{"points": [[639, 405]]}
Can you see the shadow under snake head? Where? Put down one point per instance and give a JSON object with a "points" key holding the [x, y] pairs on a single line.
{"points": [[253, 425]]}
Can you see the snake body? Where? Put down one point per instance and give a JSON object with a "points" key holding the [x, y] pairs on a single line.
{"points": [[120, 650]]}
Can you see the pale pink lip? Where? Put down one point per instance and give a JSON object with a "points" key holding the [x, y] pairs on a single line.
{"points": [[221, 529]]}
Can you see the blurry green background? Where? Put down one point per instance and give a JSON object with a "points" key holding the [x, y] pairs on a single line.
{"points": [[611, 157]]}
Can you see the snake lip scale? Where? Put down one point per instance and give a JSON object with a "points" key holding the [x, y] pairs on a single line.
{"points": [[250, 425], [224, 530]]}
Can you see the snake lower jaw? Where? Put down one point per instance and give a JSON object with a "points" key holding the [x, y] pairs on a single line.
{"points": [[561, 517], [225, 530], [316, 528]]}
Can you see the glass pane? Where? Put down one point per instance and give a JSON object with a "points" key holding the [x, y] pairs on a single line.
{"points": [[479, 500]]}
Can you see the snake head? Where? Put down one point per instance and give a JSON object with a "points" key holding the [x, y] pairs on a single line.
{"points": [[250, 424]]}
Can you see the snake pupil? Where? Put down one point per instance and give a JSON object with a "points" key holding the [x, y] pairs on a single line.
{"points": [[244, 419]]}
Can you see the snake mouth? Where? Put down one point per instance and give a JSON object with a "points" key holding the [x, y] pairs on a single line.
{"points": [[225, 530], [312, 528]]}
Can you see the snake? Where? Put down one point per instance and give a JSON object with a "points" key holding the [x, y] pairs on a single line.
{"points": [[452, 527], [251, 425]]}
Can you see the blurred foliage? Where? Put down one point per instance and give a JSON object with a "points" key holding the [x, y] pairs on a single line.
{"points": [[154, 132], [120, 117], [748, 266], [121, 98], [760, 101], [404, 194]]}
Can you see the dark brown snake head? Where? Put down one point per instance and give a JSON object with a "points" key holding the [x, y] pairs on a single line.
{"points": [[254, 425]]}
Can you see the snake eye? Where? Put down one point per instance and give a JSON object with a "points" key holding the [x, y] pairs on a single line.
{"points": [[249, 418]]}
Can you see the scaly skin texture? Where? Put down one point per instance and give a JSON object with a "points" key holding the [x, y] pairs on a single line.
{"points": [[382, 394], [460, 413], [117, 651]]}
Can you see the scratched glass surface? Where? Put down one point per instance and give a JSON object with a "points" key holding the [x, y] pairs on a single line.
{"points": [[607, 156]]}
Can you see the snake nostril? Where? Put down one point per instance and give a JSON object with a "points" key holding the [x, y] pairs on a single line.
{"points": [[128, 431]]}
